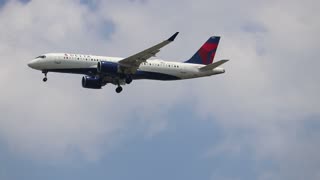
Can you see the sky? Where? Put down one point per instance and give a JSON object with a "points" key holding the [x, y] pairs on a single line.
{"points": [[259, 120]]}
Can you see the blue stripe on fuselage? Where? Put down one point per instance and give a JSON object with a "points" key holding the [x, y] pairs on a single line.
{"points": [[86, 71], [138, 75], [154, 75]]}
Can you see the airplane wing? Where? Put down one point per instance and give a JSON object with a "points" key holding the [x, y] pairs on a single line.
{"points": [[132, 63]]}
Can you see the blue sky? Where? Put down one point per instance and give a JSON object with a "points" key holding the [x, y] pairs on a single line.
{"points": [[259, 120]]}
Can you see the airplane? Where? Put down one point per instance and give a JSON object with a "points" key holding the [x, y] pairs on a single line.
{"points": [[98, 71]]}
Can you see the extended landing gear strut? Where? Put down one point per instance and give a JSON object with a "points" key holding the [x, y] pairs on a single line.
{"points": [[45, 76], [127, 79], [119, 88]]}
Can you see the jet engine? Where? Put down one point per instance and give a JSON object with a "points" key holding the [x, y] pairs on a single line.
{"points": [[91, 82], [107, 67]]}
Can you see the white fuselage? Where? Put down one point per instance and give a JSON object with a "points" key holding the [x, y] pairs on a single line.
{"points": [[65, 62]]}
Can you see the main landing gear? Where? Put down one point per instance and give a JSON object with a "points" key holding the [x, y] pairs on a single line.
{"points": [[128, 79], [45, 76], [119, 89]]}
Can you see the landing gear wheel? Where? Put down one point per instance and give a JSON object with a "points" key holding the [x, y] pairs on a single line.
{"points": [[119, 89], [45, 76], [128, 79]]}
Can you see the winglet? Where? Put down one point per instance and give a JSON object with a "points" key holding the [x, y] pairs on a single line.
{"points": [[173, 36]]}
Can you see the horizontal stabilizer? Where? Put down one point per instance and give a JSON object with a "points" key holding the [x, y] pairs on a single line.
{"points": [[213, 65]]}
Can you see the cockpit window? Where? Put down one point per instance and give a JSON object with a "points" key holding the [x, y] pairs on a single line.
{"points": [[43, 56]]}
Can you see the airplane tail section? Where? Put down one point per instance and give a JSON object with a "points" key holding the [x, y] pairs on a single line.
{"points": [[213, 65], [206, 53]]}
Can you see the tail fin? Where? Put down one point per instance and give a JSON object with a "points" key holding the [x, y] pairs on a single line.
{"points": [[206, 53]]}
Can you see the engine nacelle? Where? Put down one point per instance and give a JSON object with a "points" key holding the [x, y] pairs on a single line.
{"points": [[107, 67], [91, 82]]}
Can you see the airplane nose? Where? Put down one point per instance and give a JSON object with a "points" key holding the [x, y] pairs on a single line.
{"points": [[32, 63]]}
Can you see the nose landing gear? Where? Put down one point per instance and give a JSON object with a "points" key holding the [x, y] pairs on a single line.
{"points": [[45, 76]]}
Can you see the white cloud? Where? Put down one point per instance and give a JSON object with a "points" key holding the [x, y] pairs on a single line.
{"points": [[270, 87], [44, 121]]}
